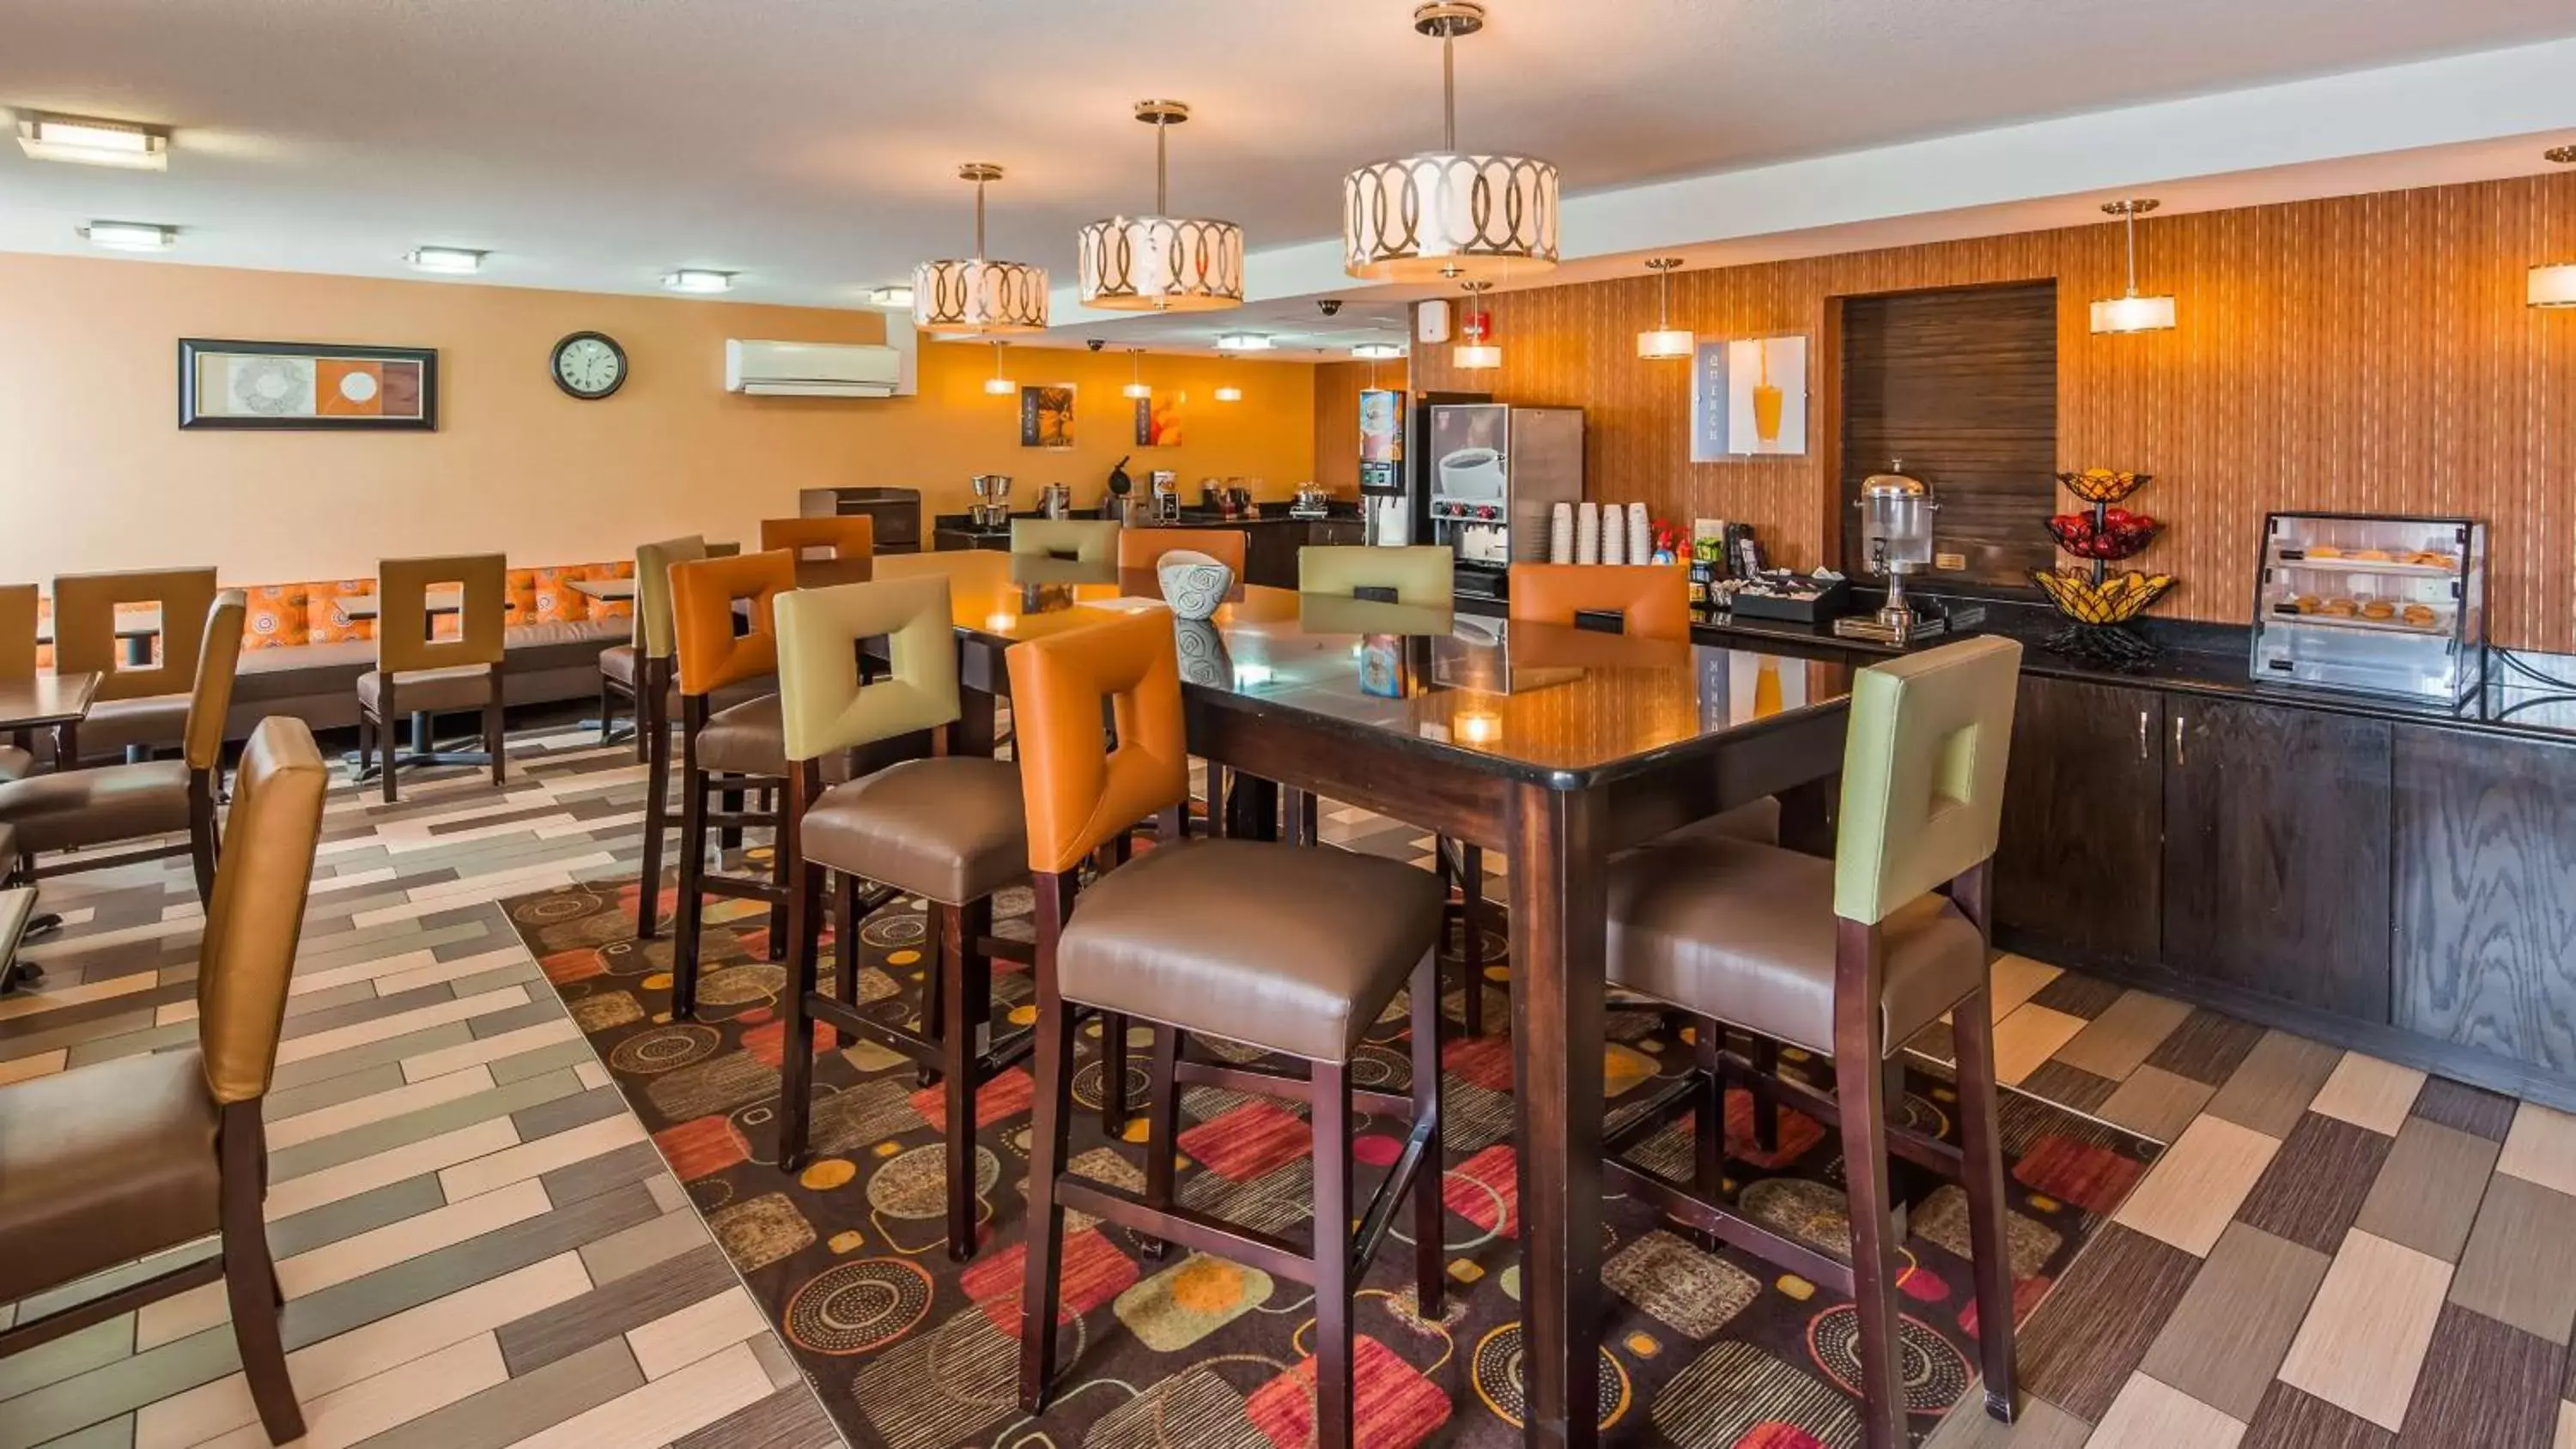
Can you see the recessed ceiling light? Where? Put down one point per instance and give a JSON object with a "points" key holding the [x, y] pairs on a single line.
{"points": [[692, 280], [93, 142], [1244, 342], [130, 236], [1378, 351], [897, 296], [451, 261]]}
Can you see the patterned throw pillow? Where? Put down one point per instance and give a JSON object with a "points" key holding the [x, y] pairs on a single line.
{"points": [[324, 623], [557, 601], [520, 593], [278, 617]]}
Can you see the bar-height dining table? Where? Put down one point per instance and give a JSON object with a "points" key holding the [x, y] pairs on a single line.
{"points": [[1557, 747]]}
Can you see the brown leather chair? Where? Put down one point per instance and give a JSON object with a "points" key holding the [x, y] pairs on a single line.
{"points": [[80, 810], [838, 549], [139, 706], [950, 828], [18, 606], [1651, 600], [1291, 950], [1847, 958], [1143, 548], [729, 751], [118, 1160], [427, 676]]}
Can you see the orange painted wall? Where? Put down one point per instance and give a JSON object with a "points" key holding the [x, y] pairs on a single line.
{"points": [[95, 473], [2367, 354]]}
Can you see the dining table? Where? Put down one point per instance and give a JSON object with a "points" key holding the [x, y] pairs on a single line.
{"points": [[1555, 746]]}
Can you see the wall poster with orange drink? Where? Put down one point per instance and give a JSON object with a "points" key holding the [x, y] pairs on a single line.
{"points": [[1748, 398]]}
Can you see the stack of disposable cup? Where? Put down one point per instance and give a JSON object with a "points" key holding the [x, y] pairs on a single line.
{"points": [[1614, 534], [1587, 532], [1560, 534], [1641, 535]]}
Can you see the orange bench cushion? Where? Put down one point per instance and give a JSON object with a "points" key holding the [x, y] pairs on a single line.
{"points": [[278, 617]]}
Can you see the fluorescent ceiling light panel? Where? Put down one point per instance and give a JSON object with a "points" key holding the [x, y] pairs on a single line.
{"points": [[698, 282], [448, 261], [893, 297], [130, 236], [1243, 342], [1378, 351], [88, 142]]}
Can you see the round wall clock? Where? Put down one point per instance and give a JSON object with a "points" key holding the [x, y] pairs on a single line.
{"points": [[589, 365]]}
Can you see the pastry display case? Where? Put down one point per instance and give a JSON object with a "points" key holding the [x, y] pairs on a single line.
{"points": [[2372, 604]]}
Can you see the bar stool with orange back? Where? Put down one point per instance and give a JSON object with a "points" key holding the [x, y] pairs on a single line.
{"points": [[831, 550], [1847, 958], [1297, 952], [18, 608], [138, 706], [726, 751], [950, 829], [418, 672]]}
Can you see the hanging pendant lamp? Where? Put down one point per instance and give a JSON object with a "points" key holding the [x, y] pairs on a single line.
{"points": [[1439, 215], [2130, 312], [1666, 342], [1475, 353], [2553, 284], [973, 294], [997, 385], [1161, 263], [1136, 386]]}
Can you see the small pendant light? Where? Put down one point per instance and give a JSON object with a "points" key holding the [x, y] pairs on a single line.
{"points": [[1161, 263], [1476, 354], [1441, 215], [2553, 284], [1136, 386], [1666, 342], [998, 385], [2130, 312], [972, 294]]}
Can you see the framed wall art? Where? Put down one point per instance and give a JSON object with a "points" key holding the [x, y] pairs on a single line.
{"points": [[1158, 419], [1046, 415], [307, 386], [1748, 398]]}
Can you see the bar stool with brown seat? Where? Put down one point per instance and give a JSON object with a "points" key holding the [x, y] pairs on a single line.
{"points": [[1084, 540], [950, 829], [1143, 548], [729, 751], [1847, 958], [123, 1159], [18, 611], [1294, 951], [418, 674], [139, 707], [836, 549], [82, 810]]}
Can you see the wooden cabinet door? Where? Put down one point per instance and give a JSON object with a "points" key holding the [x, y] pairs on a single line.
{"points": [[2078, 870], [2486, 893], [1270, 554], [2277, 852]]}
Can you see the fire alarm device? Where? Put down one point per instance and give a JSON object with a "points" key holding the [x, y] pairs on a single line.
{"points": [[1431, 321]]}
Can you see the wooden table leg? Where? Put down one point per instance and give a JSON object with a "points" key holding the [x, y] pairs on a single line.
{"points": [[977, 729], [1558, 943], [1252, 808]]}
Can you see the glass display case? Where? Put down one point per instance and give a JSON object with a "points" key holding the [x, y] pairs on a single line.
{"points": [[2372, 604]]}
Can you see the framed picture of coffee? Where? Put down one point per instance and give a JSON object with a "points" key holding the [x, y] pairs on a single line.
{"points": [[306, 387]]}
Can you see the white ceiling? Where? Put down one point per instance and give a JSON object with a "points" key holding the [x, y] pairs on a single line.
{"points": [[811, 144]]}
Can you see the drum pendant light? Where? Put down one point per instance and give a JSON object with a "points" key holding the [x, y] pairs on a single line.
{"points": [[1442, 215], [975, 295], [1666, 342], [1161, 263], [2130, 312]]}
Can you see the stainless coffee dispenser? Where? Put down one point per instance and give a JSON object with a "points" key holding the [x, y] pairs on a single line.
{"points": [[1896, 536]]}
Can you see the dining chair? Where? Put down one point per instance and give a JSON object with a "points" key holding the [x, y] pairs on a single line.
{"points": [[1651, 600], [82, 810], [1847, 958], [426, 676], [122, 1159], [1080, 539], [1297, 952], [140, 706], [950, 829], [18, 619], [1143, 548], [729, 751], [648, 664], [836, 549]]}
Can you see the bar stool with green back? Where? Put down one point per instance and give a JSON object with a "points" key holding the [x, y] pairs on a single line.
{"points": [[949, 829], [1083, 540], [416, 673], [648, 669], [1847, 958], [1294, 951]]}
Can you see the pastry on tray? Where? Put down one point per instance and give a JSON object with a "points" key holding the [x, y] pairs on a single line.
{"points": [[2370, 555], [2337, 609], [2379, 609], [2324, 550], [2419, 615], [2307, 603]]}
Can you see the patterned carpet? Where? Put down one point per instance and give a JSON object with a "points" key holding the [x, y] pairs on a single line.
{"points": [[912, 1351]]}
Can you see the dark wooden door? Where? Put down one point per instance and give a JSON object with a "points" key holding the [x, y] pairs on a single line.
{"points": [[2277, 853], [2486, 893], [2079, 869]]}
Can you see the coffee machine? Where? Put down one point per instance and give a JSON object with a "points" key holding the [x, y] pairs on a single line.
{"points": [[1497, 472]]}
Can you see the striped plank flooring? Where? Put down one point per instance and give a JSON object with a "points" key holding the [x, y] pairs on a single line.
{"points": [[481, 1249]]}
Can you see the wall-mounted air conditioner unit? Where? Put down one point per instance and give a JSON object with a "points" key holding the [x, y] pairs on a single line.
{"points": [[816, 369]]}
